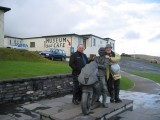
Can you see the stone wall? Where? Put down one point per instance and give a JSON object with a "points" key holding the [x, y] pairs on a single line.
{"points": [[30, 89]]}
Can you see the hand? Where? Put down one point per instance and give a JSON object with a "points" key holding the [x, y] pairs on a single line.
{"points": [[107, 57]]}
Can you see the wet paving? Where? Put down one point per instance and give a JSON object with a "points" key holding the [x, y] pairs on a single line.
{"points": [[16, 112], [148, 104], [145, 107]]}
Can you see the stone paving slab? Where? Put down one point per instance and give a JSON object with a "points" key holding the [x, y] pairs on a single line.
{"points": [[75, 112], [55, 104], [6, 117], [32, 106], [113, 109], [60, 99], [68, 114], [50, 111]]}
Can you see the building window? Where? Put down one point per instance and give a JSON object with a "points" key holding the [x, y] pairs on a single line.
{"points": [[79, 41], [32, 44], [94, 42], [10, 42], [113, 46]]}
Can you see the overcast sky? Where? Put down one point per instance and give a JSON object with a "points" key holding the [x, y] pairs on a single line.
{"points": [[134, 24]]}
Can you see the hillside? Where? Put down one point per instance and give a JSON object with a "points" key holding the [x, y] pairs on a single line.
{"points": [[20, 55], [152, 59], [22, 63]]}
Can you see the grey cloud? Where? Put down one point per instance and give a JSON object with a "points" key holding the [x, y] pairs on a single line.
{"points": [[155, 38], [132, 35], [36, 18]]}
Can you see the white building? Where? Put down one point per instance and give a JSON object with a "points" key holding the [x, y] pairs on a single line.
{"points": [[66, 42], [2, 11]]}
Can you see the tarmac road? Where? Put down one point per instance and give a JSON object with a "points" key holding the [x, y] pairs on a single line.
{"points": [[138, 65], [143, 84]]}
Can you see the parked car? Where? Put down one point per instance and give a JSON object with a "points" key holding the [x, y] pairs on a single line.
{"points": [[19, 46], [54, 54]]}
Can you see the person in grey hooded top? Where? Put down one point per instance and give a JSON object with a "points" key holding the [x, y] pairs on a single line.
{"points": [[102, 63]]}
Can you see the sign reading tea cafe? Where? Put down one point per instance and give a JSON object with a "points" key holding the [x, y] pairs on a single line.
{"points": [[57, 42]]}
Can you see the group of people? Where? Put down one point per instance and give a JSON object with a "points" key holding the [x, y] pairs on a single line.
{"points": [[110, 81]]}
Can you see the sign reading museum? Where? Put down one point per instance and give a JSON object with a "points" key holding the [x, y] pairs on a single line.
{"points": [[56, 42]]}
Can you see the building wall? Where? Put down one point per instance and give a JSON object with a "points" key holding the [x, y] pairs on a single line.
{"points": [[61, 42], [1, 28], [112, 43], [35, 44], [12, 41], [94, 43], [68, 43]]}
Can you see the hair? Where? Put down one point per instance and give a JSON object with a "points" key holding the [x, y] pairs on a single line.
{"points": [[79, 45]]}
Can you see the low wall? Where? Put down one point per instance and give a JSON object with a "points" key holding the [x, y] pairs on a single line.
{"points": [[34, 88]]}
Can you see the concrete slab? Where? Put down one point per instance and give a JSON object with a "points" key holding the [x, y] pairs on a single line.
{"points": [[81, 117], [61, 99], [68, 114], [68, 106], [112, 110], [6, 117], [99, 112], [49, 112], [64, 100], [55, 104], [74, 112], [33, 106]]}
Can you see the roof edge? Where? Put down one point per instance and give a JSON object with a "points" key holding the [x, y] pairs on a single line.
{"points": [[5, 9]]}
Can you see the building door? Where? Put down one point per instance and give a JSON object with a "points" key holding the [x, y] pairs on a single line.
{"points": [[84, 43]]}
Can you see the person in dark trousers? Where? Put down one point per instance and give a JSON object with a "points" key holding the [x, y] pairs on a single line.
{"points": [[77, 61], [102, 63], [113, 80]]}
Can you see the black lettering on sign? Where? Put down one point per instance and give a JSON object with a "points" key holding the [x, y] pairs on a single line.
{"points": [[55, 42]]}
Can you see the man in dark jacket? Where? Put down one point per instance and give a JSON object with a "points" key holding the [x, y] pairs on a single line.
{"points": [[77, 61]]}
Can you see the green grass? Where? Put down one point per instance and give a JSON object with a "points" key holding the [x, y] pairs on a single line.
{"points": [[126, 83], [20, 55], [22, 63], [152, 76], [18, 69]]}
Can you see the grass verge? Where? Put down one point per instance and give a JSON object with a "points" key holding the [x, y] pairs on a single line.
{"points": [[152, 76], [18, 69], [126, 83]]}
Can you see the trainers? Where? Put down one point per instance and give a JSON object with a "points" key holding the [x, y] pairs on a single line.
{"points": [[105, 105], [118, 100], [112, 100]]}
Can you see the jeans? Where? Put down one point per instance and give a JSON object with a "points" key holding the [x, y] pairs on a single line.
{"points": [[113, 85], [77, 92]]}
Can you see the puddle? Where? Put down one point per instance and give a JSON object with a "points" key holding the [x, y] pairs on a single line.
{"points": [[16, 111], [142, 100]]}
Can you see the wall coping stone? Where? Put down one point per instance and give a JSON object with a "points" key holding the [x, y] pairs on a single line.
{"points": [[34, 78]]}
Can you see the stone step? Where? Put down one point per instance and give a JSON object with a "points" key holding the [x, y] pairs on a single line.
{"points": [[75, 112]]}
